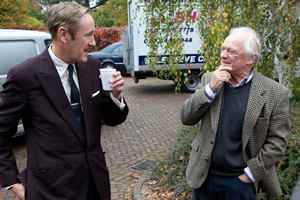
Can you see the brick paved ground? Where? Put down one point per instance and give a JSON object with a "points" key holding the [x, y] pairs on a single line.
{"points": [[147, 133]]}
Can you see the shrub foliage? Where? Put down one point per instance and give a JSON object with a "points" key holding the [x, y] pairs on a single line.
{"points": [[276, 21], [103, 36], [171, 168], [107, 36]]}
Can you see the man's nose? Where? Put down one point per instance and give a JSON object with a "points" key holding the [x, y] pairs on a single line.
{"points": [[92, 41], [224, 54]]}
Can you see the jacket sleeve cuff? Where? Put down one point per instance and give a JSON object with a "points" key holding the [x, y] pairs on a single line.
{"points": [[121, 104]]}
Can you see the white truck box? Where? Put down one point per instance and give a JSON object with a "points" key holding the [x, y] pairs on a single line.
{"points": [[135, 49]]}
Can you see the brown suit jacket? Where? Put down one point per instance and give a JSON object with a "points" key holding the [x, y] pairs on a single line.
{"points": [[265, 128], [59, 160]]}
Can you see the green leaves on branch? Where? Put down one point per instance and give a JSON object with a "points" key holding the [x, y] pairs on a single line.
{"points": [[164, 22], [13, 12], [276, 21], [112, 13]]}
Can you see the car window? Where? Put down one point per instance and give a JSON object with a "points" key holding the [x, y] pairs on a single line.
{"points": [[47, 42], [18, 51], [14, 52], [121, 49], [116, 50]]}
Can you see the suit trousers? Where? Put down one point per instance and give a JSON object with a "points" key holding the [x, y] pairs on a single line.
{"points": [[93, 193], [224, 188]]}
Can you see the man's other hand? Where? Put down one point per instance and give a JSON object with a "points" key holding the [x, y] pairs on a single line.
{"points": [[244, 178], [19, 191]]}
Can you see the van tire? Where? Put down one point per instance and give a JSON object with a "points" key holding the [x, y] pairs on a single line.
{"points": [[193, 82]]}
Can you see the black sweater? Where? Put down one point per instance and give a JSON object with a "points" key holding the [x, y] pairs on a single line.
{"points": [[227, 156]]}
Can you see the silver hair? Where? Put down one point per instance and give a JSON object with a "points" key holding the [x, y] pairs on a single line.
{"points": [[252, 45], [66, 14]]}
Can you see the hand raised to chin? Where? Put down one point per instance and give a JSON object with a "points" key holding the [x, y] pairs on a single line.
{"points": [[219, 76]]}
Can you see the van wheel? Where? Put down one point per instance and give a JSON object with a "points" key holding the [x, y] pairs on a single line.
{"points": [[193, 82]]}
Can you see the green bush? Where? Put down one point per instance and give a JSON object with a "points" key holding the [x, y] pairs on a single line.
{"points": [[106, 36], [170, 170], [112, 13], [33, 22], [296, 90], [288, 167]]}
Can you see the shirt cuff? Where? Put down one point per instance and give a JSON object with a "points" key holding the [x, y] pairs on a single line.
{"points": [[7, 188], [209, 93], [121, 104], [249, 174]]}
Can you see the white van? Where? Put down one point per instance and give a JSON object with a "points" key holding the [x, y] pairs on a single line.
{"points": [[15, 47], [135, 48]]}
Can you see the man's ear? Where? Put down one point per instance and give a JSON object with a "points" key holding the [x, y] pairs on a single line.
{"points": [[251, 60], [63, 34]]}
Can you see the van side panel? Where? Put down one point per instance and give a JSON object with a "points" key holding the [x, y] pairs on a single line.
{"points": [[17, 46], [13, 53]]}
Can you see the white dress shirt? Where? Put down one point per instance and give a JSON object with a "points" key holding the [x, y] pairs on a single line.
{"points": [[62, 69]]}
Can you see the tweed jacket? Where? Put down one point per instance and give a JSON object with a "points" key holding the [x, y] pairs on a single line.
{"points": [[264, 132]]}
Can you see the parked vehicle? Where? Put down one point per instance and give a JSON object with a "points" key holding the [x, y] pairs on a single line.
{"points": [[111, 56], [15, 47], [135, 48]]}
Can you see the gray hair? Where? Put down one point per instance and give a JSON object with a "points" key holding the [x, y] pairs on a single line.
{"points": [[66, 15], [252, 45]]}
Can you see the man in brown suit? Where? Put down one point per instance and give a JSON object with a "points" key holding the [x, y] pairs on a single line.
{"points": [[244, 124], [60, 99]]}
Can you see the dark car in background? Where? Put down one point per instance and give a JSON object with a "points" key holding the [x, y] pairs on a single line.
{"points": [[111, 56]]}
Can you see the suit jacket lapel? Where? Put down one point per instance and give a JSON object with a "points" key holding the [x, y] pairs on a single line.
{"points": [[50, 81], [255, 104]]}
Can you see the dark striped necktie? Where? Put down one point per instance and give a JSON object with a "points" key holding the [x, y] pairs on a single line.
{"points": [[75, 100]]}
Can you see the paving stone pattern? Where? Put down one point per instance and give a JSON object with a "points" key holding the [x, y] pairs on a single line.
{"points": [[147, 133]]}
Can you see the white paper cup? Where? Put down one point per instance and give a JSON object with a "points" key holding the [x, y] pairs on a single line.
{"points": [[106, 76]]}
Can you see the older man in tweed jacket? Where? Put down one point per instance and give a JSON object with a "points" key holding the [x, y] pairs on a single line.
{"points": [[244, 124]]}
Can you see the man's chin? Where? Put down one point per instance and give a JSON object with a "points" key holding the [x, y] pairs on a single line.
{"points": [[83, 59]]}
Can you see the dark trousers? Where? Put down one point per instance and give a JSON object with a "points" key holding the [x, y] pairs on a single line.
{"points": [[93, 193], [224, 188]]}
